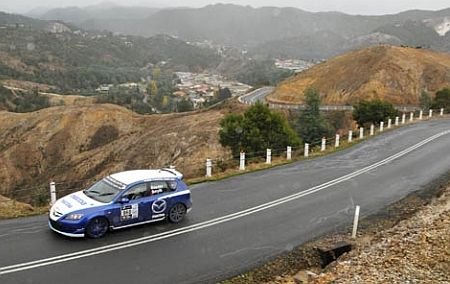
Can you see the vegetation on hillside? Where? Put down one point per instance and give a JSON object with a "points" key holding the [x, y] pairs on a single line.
{"points": [[82, 61], [255, 131], [271, 31], [19, 101], [442, 99], [261, 73], [311, 125], [366, 113]]}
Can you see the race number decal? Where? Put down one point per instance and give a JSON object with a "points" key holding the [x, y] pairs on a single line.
{"points": [[129, 212]]}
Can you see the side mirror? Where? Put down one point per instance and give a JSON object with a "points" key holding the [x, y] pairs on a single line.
{"points": [[124, 200]]}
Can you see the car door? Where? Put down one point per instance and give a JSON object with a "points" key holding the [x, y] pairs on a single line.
{"points": [[160, 201], [135, 210]]}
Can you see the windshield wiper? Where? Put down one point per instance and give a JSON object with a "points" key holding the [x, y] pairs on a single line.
{"points": [[106, 194]]}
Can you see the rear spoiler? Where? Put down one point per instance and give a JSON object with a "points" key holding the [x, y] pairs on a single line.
{"points": [[174, 172]]}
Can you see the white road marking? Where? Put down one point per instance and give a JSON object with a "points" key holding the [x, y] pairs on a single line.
{"points": [[212, 222]]}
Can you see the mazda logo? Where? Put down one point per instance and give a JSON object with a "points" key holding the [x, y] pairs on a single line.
{"points": [[159, 206]]}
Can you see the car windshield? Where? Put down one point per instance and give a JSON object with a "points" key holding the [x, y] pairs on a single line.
{"points": [[102, 191]]}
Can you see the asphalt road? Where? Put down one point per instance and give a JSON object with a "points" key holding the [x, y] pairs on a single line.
{"points": [[239, 222], [258, 95]]}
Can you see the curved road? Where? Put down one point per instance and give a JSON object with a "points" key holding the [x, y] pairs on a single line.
{"points": [[239, 222], [258, 95]]}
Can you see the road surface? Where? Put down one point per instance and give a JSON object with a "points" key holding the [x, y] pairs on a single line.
{"points": [[239, 222], [258, 95]]}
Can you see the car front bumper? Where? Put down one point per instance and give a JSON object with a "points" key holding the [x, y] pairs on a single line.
{"points": [[66, 230]]}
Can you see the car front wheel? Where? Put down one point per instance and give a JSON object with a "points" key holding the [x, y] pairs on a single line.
{"points": [[177, 213], [97, 228]]}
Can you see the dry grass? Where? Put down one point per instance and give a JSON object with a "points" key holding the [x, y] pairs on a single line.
{"points": [[13, 209], [395, 74]]}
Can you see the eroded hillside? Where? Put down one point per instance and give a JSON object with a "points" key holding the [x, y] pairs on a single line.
{"points": [[82, 142], [395, 74]]}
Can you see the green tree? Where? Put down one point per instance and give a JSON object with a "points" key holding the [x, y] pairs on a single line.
{"points": [[311, 125], [257, 130], [442, 99], [184, 106], [231, 132], [373, 112], [224, 94], [425, 100]]}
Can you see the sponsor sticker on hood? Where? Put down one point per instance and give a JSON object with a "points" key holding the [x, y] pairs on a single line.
{"points": [[74, 202]]}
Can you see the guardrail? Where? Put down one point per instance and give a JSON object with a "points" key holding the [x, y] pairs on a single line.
{"points": [[334, 107]]}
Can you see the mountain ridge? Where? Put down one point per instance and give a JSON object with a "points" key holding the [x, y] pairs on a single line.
{"points": [[259, 29]]}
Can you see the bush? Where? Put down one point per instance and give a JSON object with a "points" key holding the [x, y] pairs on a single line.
{"points": [[442, 99], [255, 131], [373, 112]]}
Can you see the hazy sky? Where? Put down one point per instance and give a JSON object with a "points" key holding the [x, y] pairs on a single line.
{"points": [[371, 7]]}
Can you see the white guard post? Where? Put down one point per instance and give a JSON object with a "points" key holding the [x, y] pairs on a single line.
{"points": [[208, 167], [355, 222], [269, 156], [289, 153], [52, 193], [242, 162]]}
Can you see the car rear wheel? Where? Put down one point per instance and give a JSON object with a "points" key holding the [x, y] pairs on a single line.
{"points": [[97, 228], [177, 213]]}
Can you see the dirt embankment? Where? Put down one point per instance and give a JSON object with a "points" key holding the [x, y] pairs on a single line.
{"points": [[72, 143], [394, 74], [417, 250]]}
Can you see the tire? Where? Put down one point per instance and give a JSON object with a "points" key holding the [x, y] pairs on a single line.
{"points": [[177, 213], [97, 228]]}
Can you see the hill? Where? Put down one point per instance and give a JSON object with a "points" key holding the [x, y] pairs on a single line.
{"points": [[73, 143], [100, 17], [75, 60], [395, 74], [276, 32]]}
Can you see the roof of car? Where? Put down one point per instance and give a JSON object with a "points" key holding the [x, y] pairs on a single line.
{"points": [[130, 177]]}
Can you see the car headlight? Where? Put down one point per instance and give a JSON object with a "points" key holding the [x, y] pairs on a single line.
{"points": [[74, 216]]}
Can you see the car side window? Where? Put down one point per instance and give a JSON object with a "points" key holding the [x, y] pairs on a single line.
{"points": [[172, 185], [159, 187], [137, 192]]}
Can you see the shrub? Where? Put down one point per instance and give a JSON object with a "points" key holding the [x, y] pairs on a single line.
{"points": [[373, 112]]}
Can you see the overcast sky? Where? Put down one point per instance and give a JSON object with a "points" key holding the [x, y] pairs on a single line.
{"points": [[367, 7]]}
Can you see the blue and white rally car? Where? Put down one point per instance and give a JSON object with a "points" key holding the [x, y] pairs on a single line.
{"points": [[122, 200]]}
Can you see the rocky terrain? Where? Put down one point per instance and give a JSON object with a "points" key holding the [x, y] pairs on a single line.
{"points": [[406, 242], [73, 143], [395, 74], [417, 250]]}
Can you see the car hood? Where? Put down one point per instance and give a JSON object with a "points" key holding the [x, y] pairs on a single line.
{"points": [[71, 203]]}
